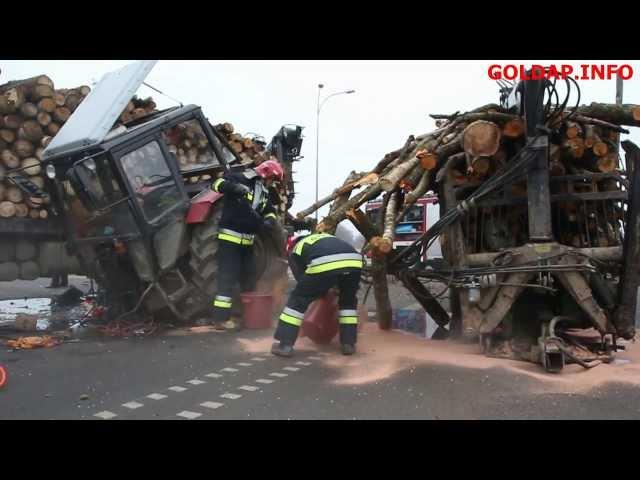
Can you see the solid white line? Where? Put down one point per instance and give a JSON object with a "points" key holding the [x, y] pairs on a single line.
{"points": [[212, 405], [105, 415], [248, 388], [177, 389], [189, 415], [231, 396], [132, 405], [156, 396]]}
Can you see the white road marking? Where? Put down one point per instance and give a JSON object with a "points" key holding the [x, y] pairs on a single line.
{"points": [[105, 415], [177, 389], [244, 364], [278, 374], [229, 369], [189, 415], [231, 396], [264, 380], [248, 388], [213, 375], [195, 381], [156, 396], [291, 369], [133, 405], [306, 364], [314, 358], [258, 359], [212, 405]]}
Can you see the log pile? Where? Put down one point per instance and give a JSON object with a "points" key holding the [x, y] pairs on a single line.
{"points": [[466, 150], [32, 111]]}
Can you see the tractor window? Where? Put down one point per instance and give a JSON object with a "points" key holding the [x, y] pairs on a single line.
{"points": [[188, 142], [153, 183], [94, 201]]}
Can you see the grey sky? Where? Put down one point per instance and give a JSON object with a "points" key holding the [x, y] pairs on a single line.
{"points": [[392, 100]]}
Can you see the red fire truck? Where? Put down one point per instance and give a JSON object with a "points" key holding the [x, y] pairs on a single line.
{"points": [[424, 213]]}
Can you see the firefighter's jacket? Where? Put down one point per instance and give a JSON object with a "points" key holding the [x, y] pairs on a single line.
{"points": [[321, 253]]}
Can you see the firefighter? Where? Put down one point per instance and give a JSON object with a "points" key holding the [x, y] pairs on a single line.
{"points": [[247, 210], [320, 262]]}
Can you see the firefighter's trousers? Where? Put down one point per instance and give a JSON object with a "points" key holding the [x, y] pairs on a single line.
{"points": [[314, 286], [236, 265]]}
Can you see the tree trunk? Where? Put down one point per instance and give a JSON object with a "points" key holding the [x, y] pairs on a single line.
{"points": [[618, 114], [21, 210], [513, 128], [31, 166], [7, 136], [28, 110], [384, 313], [7, 209], [12, 122], [390, 181], [10, 159], [481, 138], [61, 114], [43, 118], [72, 101], [53, 128], [47, 105], [362, 223], [45, 141], [38, 181], [43, 214], [391, 156], [85, 90], [42, 91], [23, 148], [31, 130], [14, 194], [386, 243], [2, 189], [59, 99]]}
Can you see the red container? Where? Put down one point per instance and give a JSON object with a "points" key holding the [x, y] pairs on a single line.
{"points": [[321, 320], [258, 310]]}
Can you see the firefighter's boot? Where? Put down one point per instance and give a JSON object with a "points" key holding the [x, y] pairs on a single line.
{"points": [[282, 350]]}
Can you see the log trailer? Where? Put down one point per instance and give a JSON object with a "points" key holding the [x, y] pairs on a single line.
{"points": [[541, 267], [125, 212]]}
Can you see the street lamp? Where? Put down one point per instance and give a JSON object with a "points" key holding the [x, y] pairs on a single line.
{"points": [[320, 104]]}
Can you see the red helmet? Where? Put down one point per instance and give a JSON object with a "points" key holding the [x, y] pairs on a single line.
{"points": [[270, 169]]}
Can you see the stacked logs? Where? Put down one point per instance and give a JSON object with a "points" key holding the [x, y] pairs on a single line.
{"points": [[467, 149], [251, 149], [32, 112]]}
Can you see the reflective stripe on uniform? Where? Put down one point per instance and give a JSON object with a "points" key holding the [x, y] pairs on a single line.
{"points": [[291, 316], [310, 240], [348, 317], [334, 262], [222, 302], [270, 215], [235, 237], [216, 184]]}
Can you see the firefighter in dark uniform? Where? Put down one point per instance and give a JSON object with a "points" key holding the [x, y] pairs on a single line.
{"points": [[320, 262], [246, 211]]}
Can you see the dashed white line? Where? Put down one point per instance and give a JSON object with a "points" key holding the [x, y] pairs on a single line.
{"points": [[231, 396], [156, 396], [105, 415], [258, 359], [212, 405], [278, 374], [306, 364], [248, 388], [189, 415], [177, 389], [291, 369], [132, 405], [195, 381], [229, 369], [264, 380], [213, 375], [244, 364]]}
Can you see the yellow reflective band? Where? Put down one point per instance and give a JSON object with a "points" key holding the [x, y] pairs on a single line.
{"points": [[290, 319], [249, 196], [349, 320], [334, 266], [216, 184], [310, 240], [234, 239], [270, 215], [221, 304]]}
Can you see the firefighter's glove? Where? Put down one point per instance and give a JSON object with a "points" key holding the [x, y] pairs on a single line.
{"points": [[238, 189]]}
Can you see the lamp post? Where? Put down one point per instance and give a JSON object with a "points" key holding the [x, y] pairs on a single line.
{"points": [[320, 104]]}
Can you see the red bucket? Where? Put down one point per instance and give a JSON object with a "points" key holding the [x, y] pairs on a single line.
{"points": [[321, 319], [258, 310]]}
